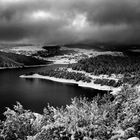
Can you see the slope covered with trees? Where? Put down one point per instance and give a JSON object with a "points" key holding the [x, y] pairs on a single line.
{"points": [[108, 64], [62, 73], [128, 66], [16, 60], [7, 62]]}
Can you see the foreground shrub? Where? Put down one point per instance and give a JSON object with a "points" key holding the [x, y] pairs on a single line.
{"points": [[101, 119], [18, 123]]}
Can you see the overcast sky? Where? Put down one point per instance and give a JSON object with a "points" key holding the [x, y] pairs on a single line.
{"points": [[65, 21]]}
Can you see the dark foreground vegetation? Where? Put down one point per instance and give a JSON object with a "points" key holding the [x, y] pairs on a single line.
{"points": [[100, 119]]}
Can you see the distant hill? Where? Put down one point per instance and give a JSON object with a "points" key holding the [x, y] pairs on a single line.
{"points": [[15, 60], [104, 46]]}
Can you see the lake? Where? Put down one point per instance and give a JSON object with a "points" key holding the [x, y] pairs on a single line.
{"points": [[35, 94]]}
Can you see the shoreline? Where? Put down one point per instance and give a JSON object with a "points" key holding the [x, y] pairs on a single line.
{"points": [[22, 67], [79, 83], [31, 66]]}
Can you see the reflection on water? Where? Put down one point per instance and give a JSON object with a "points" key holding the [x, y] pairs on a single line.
{"points": [[30, 80], [35, 94]]}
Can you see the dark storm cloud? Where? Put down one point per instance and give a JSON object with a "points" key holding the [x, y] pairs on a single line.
{"points": [[116, 12], [70, 20]]}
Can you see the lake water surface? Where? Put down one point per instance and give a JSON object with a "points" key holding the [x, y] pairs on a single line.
{"points": [[35, 94]]}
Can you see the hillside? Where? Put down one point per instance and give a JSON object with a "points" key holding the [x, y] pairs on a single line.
{"points": [[127, 67], [6, 62], [11, 60]]}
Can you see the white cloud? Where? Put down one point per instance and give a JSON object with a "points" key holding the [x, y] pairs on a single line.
{"points": [[79, 22], [39, 15]]}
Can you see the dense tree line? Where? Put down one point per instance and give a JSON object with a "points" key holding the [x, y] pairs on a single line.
{"points": [[133, 80], [129, 66], [78, 77], [108, 64], [108, 82], [64, 75], [48, 51]]}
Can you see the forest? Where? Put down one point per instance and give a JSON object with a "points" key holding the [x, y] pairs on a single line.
{"points": [[108, 82], [129, 66], [108, 64], [57, 73], [64, 74]]}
